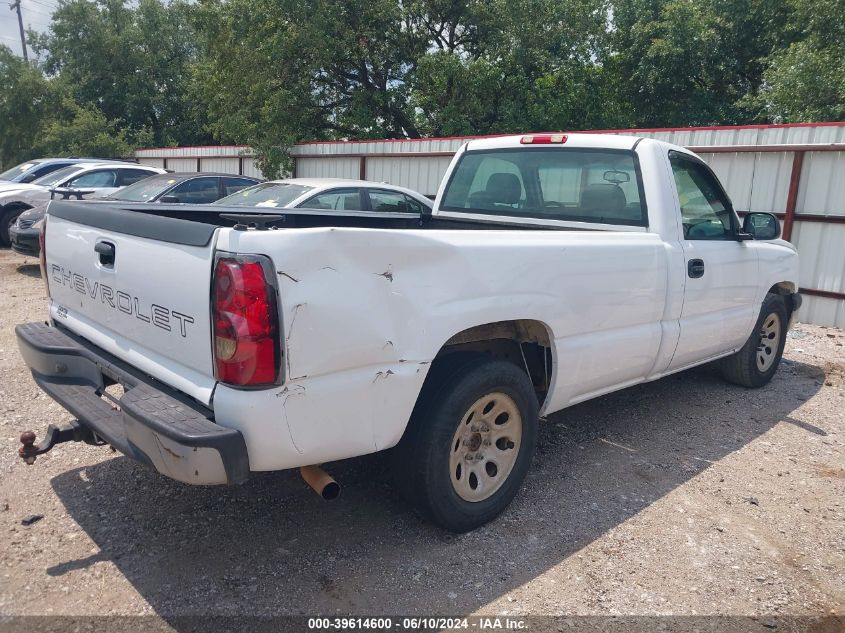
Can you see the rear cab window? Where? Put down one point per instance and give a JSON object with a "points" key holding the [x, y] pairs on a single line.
{"points": [[601, 186]]}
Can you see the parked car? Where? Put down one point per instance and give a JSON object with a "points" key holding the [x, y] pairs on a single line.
{"points": [[553, 269], [81, 180], [38, 167], [330, 193], [186, 188], [192, 188]]}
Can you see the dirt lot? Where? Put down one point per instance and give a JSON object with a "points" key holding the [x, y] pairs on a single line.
{"points": [[684, 496]]}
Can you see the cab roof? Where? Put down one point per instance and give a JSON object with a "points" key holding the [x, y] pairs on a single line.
{"points": [[591, 141]]}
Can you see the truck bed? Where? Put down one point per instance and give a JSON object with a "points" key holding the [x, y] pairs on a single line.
{"points": [[160, 220]]}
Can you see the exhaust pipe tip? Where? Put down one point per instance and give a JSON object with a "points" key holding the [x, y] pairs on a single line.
{"points": [[320, 482], [331, 491]]}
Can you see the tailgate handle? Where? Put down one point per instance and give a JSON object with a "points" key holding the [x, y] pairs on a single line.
{"points": [[106, 252]]}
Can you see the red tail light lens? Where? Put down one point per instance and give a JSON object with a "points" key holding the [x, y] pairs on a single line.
{"points": [[246, 325], [543, 139]]}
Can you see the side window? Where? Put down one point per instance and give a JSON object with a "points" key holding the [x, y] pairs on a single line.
{"points": [[390, 201], [131, 176], [196, 191], [705, 209], [337, 199], [43, 171], [94, 179], [233, 185], [414, 206]]}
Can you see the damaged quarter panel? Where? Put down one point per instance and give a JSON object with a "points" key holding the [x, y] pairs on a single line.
{"points": [[365, 312]]}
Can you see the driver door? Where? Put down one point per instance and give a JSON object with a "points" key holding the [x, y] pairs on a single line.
{"points": [[720, 272]]}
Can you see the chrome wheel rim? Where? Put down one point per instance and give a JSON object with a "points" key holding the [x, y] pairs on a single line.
{"points": [[769, 342], [485, 446]]}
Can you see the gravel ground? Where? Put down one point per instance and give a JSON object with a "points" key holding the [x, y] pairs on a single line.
{"points": [[686, 496]]}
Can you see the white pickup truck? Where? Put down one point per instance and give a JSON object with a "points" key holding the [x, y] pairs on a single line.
{"points": [[553, 269]]}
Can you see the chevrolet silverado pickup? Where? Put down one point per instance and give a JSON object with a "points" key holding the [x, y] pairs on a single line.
{"points": [[214, 343]]}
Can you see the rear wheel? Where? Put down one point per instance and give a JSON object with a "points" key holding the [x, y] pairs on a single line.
{"points": [[755, 364], [469, 443]]}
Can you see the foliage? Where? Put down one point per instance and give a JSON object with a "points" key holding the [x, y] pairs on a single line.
{"points": [[24, 101], [805, 82], [83, 130], [130, 61], [113, 74]]}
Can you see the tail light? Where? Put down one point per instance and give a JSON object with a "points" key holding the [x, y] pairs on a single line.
{"points": [[42, 251], [543, 139], [247, 350]]}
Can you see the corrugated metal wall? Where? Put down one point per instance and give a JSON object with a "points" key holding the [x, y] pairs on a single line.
{"points": [[424, 172], [755, 180], [227, 159]]}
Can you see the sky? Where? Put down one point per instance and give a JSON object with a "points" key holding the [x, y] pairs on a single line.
{"points": [[36, 15]]}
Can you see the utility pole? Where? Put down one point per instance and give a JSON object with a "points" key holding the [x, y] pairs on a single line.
{"points": [[13, 6]]}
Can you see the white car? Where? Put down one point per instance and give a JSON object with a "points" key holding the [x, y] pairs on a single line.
{"points": [[336, 194], [553, 269], [78, 181]]}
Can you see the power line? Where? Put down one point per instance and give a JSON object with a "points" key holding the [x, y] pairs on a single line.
{"points": [[40, 7], [30, 10]]}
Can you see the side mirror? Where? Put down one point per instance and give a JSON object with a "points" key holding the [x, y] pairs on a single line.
{"points": [[169, 199], [762, 226]]}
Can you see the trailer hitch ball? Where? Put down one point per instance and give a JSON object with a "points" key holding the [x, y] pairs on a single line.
{"points": [[28, 450]]}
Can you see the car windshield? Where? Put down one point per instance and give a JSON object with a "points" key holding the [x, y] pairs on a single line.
{"points": [[17, 170], [144, 190], [267, 194], [56, 177], [571, 184]]}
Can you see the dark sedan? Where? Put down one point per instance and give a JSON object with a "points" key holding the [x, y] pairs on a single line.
{"points": [[165, 188]]}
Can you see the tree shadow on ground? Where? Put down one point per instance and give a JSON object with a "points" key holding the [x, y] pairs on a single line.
{"points": [[273, 547]]}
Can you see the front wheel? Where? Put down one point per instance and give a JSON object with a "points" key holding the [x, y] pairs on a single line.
{"points": [[754, 365], [469, 443]]}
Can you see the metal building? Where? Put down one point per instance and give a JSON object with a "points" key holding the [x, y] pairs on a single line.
{"points": [[795, 171]]}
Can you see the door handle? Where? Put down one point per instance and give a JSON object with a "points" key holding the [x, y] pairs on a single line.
{"points": [[695, 268], [106, 252]]}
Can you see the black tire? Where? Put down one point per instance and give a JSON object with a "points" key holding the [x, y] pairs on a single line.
{"points": [[743, 367], [7, 219], [421, 461]]}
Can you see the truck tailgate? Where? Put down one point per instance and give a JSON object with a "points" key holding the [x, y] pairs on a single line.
{"points": [[138, 286]]}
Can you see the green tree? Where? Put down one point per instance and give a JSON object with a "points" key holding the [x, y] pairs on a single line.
{"points": [[25, 100], [501, 66], [82, 130], [129, 61], [691, 62], [805, 82], [277, 71]]}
